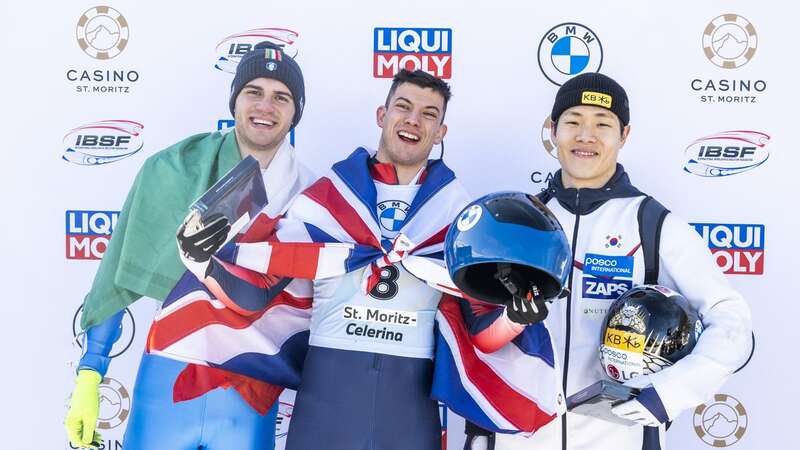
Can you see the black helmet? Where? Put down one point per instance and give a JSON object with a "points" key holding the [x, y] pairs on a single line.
{"points": [[648, 328], [504, 241]]}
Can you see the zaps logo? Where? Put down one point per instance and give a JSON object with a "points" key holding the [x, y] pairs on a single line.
{"points": [[426, 49], [569, 49], [88, 233], [103, 142], [231, 49], [737, 248], [726, 153]]}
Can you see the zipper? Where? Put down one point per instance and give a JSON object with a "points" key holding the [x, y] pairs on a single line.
{"points": [[569, 313]]}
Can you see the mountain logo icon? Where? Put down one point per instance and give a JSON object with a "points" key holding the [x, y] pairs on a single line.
{"points": [[721, 422], [730, 41], [102, 32]]}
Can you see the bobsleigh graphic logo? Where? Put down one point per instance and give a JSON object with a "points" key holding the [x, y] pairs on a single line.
{"points": [[103, 142], [88, 233], [426, 49], [726, 153], [737, 248], [231, 49]]}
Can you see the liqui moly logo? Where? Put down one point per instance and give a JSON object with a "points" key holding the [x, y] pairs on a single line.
{"points": [[426, 49], [231, 49], [88, 233], [737, 248]]}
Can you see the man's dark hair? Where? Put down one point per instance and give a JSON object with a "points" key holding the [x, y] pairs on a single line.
{"points": [[423, 80]]}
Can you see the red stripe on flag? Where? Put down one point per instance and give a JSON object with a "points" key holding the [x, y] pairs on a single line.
{"points": [[262, 228], [295, 259], [201, 313], [437, 238], [326, 195], [522, 412]]}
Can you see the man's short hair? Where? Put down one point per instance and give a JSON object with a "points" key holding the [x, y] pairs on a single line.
{"points": [[423, 80]]}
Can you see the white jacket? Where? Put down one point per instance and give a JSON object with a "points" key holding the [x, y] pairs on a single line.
{"points": [[607, 229]]}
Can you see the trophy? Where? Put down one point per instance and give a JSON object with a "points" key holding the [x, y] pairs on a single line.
{"points": [[239, 195]]}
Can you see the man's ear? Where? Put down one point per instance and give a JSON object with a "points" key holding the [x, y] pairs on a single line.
{"points": [[380, 114], [626, 130], [440, 134]]}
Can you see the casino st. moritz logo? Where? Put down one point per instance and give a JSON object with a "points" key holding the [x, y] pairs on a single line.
{"points": [[547, 142], [721, 422], [569, 49], [730, 41], [115, 404], [102, 32]]}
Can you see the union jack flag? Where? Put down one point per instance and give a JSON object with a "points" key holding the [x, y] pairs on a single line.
{"points": [[332, 229]]}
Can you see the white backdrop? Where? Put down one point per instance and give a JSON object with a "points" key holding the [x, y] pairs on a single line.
{"points": [[499, 74]]}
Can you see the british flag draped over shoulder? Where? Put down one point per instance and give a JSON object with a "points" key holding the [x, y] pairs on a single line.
{"points": [[332, 229]]}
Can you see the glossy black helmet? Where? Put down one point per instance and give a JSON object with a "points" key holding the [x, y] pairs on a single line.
{"points": [[647, 329]]}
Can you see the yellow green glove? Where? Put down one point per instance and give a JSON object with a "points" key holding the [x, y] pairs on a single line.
{"points": [[84, 407]]}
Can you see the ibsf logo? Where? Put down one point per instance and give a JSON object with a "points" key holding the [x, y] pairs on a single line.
{"points": [[103, 142], [88, 233], [726, 153], [569, 49], [102, 32], [737, 248], [231, 49], [426, 49], [285, 410]]}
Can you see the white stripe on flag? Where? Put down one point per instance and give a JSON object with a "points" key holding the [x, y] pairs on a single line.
{"points": [[254, 256], [529, 376], [218, 343], [474, 392], [188, 299]]}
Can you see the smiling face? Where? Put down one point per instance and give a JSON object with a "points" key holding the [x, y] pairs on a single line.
{"points": [[588, 139], [264, 111], [412, 124]]}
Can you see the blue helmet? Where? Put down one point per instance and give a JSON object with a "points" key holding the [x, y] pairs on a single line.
{"points": [[507, 229]]}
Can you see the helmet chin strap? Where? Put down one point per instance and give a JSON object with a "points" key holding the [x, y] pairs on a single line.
{"points": [[517, 286]]}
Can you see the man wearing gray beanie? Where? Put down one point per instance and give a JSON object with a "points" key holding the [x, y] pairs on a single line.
{"points": [[176, 405], [611, 223]]}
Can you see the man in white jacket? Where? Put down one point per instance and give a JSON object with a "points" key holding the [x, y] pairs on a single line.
{"points": [[596, 204]]}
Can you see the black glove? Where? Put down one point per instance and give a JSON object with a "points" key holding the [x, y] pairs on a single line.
{"points": [[199, 240], [477, 438], [527, 304], [529, 309]]}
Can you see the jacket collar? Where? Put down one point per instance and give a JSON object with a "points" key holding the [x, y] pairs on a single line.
{"points": [[585, 200]]}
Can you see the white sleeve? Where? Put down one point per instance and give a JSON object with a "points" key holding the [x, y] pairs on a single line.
{"points": [[687, 266]]}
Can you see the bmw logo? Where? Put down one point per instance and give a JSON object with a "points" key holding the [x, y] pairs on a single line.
{"points": [[569, 49]]}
